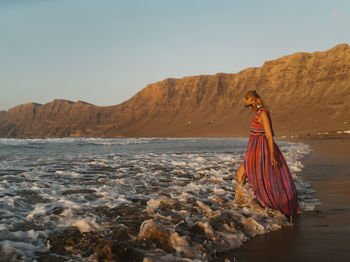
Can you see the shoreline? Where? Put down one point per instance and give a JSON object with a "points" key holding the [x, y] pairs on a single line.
{"points": [[319, 235], [312, 231]]}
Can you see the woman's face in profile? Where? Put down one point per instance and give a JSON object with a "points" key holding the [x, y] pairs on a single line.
{"points": [[250, 103]]}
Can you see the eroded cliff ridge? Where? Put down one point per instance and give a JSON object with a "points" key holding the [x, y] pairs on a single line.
{"points": [[306, 92]]}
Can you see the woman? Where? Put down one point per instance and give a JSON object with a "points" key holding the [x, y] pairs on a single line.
{"points": [[264, 164]]}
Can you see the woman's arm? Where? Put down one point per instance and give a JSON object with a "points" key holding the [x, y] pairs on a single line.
{"points": [[268, 133]]}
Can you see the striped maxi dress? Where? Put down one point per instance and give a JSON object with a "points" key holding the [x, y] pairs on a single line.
{"points": [[273, 186]]}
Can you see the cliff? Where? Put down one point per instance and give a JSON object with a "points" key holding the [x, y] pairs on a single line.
{"points": [[306, 92]]}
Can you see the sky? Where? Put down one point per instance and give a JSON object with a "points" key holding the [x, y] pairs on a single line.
{"points": [[105, 51]]}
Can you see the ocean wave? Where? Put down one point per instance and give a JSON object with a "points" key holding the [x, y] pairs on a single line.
{"points": [[162, 205], [97, 141]]}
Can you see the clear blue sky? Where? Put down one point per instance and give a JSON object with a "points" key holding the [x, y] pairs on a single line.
{"points": [[105, 51]]}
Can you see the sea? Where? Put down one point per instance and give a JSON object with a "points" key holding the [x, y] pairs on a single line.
{"points": [[166, 199]]}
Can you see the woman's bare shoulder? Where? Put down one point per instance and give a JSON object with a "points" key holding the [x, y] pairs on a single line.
{"points": [[264, 114]]}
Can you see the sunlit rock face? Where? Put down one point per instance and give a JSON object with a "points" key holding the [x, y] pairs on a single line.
{"points": [[308, 93]]}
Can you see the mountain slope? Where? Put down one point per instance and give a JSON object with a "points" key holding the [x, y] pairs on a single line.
{"points": [[307, 93]]}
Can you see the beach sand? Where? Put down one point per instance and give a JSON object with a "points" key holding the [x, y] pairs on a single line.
{"points": [[320, 235]]}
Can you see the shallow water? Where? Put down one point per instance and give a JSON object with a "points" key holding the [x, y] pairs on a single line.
{"points": [[175, 193]]}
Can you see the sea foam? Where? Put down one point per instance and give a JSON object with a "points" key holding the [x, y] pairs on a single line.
{"points": [[181, 189]]}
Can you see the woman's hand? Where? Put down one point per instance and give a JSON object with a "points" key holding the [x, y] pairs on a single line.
{"points": [[274, 161]]}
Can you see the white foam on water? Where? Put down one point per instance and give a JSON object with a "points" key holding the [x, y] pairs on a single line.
{"points": [[45, 190], [38, 210], [97, 141], [85, 225], [19, 251]]}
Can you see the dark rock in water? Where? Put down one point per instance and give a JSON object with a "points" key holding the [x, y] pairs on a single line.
{"points": [[130, 216], [55, 211], [117, 251], [119, 233], [156, 232], [78, 191], [32, 197], [197, 231], [51, 258], [112, 246]]}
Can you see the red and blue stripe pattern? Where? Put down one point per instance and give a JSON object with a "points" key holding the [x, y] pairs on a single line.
{"points": [[273, 186]]}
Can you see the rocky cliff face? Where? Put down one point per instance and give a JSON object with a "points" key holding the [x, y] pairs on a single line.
{"points": [[306, 92]]}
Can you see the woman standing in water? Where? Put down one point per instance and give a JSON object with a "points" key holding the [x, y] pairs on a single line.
{"points": [[264, 164]]}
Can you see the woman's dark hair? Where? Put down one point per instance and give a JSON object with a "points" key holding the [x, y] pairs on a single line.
{"points": [[253, 94]]}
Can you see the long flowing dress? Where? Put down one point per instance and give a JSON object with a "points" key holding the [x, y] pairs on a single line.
{"points": [[273, 186]]}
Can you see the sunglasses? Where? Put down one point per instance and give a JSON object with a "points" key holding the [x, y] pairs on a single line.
{"points": [[248, 106]]}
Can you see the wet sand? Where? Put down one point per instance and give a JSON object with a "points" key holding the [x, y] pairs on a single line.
{"points": [[320, 235]]}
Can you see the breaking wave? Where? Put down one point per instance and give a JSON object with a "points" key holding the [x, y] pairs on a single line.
{"points": [[165, 199]]}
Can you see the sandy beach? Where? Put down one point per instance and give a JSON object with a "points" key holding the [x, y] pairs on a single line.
{"points": [[321, 235]]}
